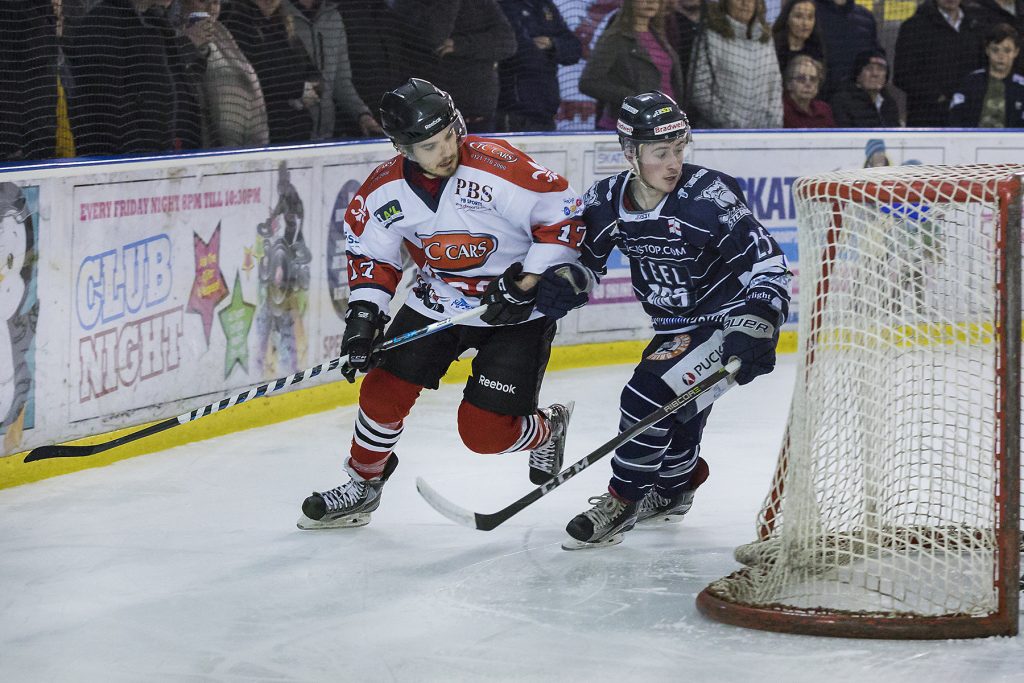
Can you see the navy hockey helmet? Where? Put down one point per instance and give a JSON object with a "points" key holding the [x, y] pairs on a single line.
{"points": [[416, 111], [651, 117]]}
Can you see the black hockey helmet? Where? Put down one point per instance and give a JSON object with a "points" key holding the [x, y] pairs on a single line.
{"points": [[651, 117], [417, 110]]}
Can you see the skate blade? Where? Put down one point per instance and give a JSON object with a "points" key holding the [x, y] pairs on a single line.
{"points": [[344, 522], [573, 544], [660, 520]]}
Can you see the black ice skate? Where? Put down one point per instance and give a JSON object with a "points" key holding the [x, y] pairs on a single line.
{"points": [[348, 505], [546, 459], [602, 525], [656, 508]]}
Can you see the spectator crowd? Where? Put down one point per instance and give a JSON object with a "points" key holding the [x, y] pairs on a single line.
{"points": [[112, 77]]}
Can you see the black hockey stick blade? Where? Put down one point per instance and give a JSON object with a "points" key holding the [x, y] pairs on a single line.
{"points": [[73, 451], [77, 451], [713, 384]]}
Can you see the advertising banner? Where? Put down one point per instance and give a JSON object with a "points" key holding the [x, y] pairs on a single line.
{"points": [[186, 283], [19, 309]]}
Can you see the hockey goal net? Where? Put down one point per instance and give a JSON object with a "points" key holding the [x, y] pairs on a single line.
{"points": [[894, 511]]}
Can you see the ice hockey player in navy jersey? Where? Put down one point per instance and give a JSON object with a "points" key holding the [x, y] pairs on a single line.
{"points": [[716, 286], [484, 223]]}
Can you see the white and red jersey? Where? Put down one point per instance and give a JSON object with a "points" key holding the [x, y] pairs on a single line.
{"points": [[499, 207]]}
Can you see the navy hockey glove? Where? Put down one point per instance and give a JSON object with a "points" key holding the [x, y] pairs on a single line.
{"points": [[561, 289], [751, 332], [506, 303], [363, 324]]}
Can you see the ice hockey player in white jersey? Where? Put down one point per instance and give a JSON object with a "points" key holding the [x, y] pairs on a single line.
{"points": [[484, 223], [716, 286]]}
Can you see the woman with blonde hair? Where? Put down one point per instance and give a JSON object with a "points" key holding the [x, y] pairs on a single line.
{"points": [[736, 80], [632, 55]]}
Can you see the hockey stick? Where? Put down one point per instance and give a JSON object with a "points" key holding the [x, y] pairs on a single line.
{"points": [[70, 451], [477, 520]]}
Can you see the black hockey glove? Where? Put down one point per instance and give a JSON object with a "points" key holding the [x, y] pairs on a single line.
{"points": [[561, 289], [751, 333], [363, 324], [506, 303]]}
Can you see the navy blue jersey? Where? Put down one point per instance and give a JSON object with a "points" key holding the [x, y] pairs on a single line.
{"points": [[695, 256]]}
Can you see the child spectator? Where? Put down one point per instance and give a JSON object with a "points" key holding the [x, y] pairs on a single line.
{"points": [[992, 97]]}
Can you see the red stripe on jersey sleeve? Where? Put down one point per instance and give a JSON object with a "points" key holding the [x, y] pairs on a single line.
{"points": [[365, 272], [567, 233]]}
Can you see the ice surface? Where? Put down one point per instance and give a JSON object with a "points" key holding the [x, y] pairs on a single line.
{"points": [[186, 566]]}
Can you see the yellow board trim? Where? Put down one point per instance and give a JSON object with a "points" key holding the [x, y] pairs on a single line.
{"points": [[271, 409]]}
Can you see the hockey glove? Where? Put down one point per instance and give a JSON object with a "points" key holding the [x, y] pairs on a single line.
{"points": [[751, 332], [506, 303], [561, 289], [363, 324]]}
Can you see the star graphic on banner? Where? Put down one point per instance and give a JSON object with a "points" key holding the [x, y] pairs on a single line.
{"points": [[209, 287], [236, 320]]}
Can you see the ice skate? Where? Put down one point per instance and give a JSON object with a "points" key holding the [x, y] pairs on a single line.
{"points": [[603, 525], [546, 459], [348, 505], [657, 509]]}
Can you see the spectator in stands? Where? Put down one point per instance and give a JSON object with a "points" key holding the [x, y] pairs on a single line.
{"points": [[34, 120], [935, 49], [847, 29], [632, 55], [992, 97], [796, 33], [132, 93], [736, 78], [318, 26], [687, 20], [875, 155], [800, 106], [457, 46], [291, 85], [530, 94], [594, 22], [865, 100], [992, 12], [234, 113], [376, 50]]}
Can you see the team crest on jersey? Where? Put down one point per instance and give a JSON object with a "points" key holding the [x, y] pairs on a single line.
{"points": [[674, 226], [389, 213], [733, 215], [675, 346], [493, 150], [541, 172], [358, 209], [718, 193], [591, 198], [456, 252]]}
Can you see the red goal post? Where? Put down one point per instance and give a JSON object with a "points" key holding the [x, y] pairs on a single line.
{"points": [[894, 510]]}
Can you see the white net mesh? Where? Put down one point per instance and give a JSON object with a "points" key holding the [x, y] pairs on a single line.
{"points": [[888, 496]]}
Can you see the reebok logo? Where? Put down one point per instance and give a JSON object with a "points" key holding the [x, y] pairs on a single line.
{"points": [[497, 386]]}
